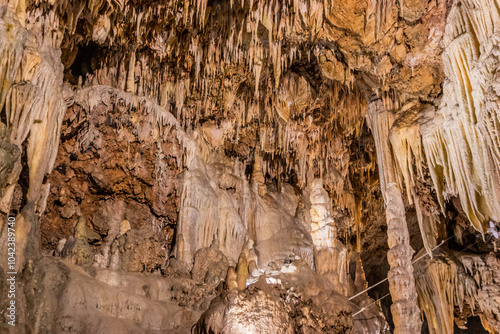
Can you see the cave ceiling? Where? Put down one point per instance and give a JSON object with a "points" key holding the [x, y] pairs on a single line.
{"points": [[282, 153]]}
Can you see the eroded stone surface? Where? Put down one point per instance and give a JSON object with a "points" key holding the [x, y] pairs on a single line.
{"points": [[169, 160]]}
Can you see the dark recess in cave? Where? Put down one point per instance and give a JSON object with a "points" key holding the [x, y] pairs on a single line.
{"points": [[85, 63], [474, 326]]}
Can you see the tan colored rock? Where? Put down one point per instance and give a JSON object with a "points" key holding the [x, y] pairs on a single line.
{"points": [[242, 272], [331, 67], [124, 227], [231, 278], [412, 10], [349, 15], [210, 265], [252, 266], [384, 66], [398, 53], [83, 231], [294, 94], [101, 29]]}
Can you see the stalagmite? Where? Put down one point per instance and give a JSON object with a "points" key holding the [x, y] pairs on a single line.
{"points": [[258, 175], [322, 228], [231, 279], [252, 265], [242, 272]]}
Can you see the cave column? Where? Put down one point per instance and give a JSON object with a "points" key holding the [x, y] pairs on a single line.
{"points": [[405, 311]]}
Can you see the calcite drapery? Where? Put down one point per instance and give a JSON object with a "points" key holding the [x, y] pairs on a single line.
{"points": [[463, 281], [461, 141], [461, 145], [31, 93]]}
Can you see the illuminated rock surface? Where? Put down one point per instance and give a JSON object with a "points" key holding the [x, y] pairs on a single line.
{"points": [[250, 167]]}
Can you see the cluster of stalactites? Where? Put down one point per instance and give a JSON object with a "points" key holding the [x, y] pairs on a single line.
{"points": [[204, 59], [401, 157], [234, 61], [454, 280], [238, 40], [33, 106], [461, 143], [322, 147], [458, 141], [162, 123], [440, 288]]}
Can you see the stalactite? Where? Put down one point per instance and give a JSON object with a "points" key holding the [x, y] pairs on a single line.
{"points": [[358, 214], [19, 8], [460, 147], [130, 83], [406, 145], [457, 280]]}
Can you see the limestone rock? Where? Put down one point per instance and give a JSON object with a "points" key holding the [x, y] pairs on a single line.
{"points": [[140, 251], [83, 232], [242, 272], [174, 125], [231, 278], [210, 265]]}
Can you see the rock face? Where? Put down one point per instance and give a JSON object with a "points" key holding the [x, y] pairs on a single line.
{"points": [[260, 167], [105, 301]]}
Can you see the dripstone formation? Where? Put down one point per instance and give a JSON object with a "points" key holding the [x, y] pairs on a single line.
{"points": [[237, 167]]}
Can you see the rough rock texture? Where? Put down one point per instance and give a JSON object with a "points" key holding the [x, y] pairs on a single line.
{"points": [[299, 302], [249, 166], [111, 171]]}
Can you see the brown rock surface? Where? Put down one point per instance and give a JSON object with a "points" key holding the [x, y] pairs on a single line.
{"points": [[251, 165]]}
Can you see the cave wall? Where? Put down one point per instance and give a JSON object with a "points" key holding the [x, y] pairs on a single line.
{"points": [[209, 146]]}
